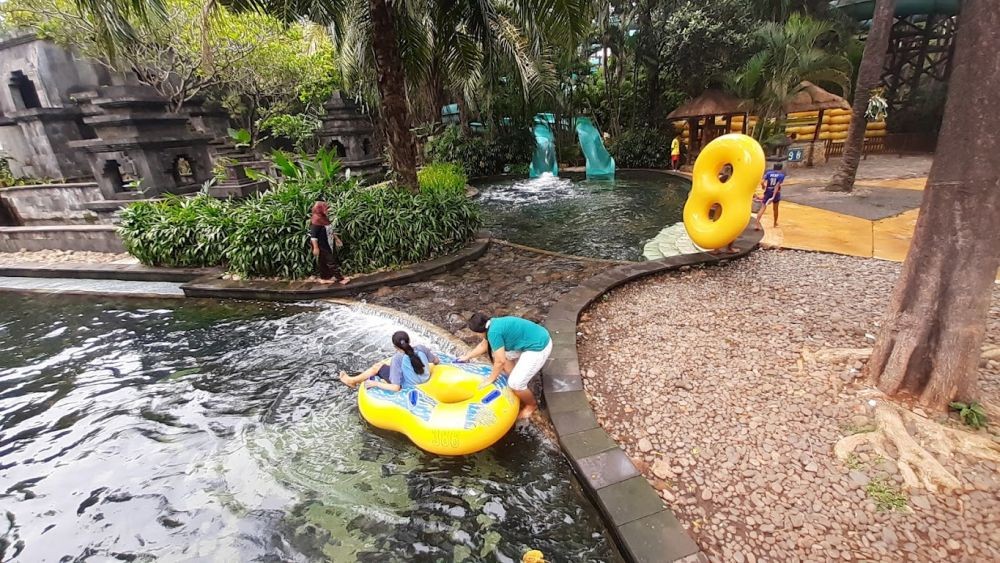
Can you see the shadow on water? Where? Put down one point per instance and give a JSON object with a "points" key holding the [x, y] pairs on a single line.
{"points": [[217, 431], [610, 218]]}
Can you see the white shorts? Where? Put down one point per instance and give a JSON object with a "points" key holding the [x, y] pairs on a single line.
{"points": [[528, 364]]}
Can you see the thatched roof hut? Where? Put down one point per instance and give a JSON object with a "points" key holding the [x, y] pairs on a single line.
{"points": [[811, 97], [711, 102]]}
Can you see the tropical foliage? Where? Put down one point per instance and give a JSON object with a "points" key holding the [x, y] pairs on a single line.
{"points": [[623, 64], [789, 53], [255, 65], [267, 234], [641, 148], [479, 156]]}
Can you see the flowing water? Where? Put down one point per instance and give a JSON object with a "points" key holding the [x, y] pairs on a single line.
{"points": [[596, 218], [208, 431]]}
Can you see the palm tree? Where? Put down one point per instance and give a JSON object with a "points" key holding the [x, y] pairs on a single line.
{"points": [[869, 76], [458, 48], [790, 54]]}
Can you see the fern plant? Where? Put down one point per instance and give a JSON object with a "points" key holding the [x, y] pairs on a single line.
{"points": [[972, 414]]}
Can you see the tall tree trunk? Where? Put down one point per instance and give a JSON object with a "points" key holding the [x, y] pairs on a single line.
{"points": [[930, 341], [650, 60], [463, 114], [869, 75], [392, 90]]}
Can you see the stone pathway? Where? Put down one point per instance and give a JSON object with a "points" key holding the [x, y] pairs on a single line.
{"points": [[505, 281], [90, 287], [696, 374], [49, 257]]}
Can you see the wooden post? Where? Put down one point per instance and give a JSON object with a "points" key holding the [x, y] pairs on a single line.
{"points": [[812, 145]]}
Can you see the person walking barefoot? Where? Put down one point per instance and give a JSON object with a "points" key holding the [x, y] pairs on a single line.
{"points": [[772, 181], [517, 347], [327, 261]]}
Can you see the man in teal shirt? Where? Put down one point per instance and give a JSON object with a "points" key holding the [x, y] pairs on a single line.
{"points": [[518, 347]]}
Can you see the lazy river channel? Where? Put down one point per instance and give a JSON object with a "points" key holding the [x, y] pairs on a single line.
{"points": [[573, 215], [207, 431]]}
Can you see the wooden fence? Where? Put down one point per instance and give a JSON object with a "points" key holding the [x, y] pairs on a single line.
{"points": [[900, 143]]}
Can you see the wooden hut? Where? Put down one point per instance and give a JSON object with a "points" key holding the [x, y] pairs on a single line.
{"points": [[710, 115]]}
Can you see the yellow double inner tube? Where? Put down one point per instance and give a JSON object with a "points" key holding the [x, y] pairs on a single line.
{"points": [[449, 414], [734, 197]]}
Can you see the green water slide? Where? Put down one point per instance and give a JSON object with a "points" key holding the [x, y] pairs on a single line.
{"points": [[599, 162], [544, 160], [862, 10]]}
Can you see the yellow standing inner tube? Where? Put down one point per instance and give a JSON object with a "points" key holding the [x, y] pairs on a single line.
{"points": [[734, 197], [449, 414]]}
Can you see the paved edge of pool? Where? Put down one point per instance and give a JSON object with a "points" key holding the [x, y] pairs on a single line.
{"points": [[121, 272], [218, 288], [643, 527]]}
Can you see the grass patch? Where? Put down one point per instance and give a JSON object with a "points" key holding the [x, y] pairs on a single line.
{"points": [[853, 462], [858, 429], [887, 496]]}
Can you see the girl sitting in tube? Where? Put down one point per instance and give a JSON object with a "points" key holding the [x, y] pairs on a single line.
{"points": [[410, 366]]}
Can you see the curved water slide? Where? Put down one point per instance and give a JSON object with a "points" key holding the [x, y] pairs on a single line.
{"points": [[544, 160], [862, 10], [600, 164]]}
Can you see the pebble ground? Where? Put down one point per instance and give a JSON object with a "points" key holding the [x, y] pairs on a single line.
{"points": [[696, 374], [63, 257]]}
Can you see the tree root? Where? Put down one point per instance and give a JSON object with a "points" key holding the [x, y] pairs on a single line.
{"points": [[839, 355], [915, 462]]}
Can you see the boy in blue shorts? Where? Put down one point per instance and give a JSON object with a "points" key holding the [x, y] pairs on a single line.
{"points": [[772, 192]]}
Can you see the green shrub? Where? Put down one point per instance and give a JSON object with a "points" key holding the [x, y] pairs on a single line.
{"points": [[972, 414], [266, 235], [298, 130], [641, 148], [479, 156], [387, 228], [270, 234], [443, 176], [178, 232]]}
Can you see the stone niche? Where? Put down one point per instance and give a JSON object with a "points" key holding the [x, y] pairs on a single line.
{"points": [[351, 135], [210, 119], [141, 150], [38, 118]]}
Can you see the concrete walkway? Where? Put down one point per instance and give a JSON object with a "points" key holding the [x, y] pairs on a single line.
{"points": [[91, 287], [875, 221]]}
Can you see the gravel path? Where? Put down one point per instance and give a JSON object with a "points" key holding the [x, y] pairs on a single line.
{"points": [[64, 257], [696, 374]]}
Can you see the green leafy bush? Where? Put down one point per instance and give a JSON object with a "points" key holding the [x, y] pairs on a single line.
{"points": [[178, 232], [386, 228], [323, 168], [298, 130], [641, 148], [972, 414], [480, 156], [266, 235], [270, 233], [442, 176]]}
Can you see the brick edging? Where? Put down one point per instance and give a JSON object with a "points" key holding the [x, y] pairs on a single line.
{"points": [[215, 287], [643, 528]]}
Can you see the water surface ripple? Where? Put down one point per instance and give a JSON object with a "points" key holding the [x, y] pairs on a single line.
{"points": [[597, 218], [208, 431]]}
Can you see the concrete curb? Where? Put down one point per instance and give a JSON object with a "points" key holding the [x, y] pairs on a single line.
{"points": [[215, 287], [643, 527], [122, 272]]}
